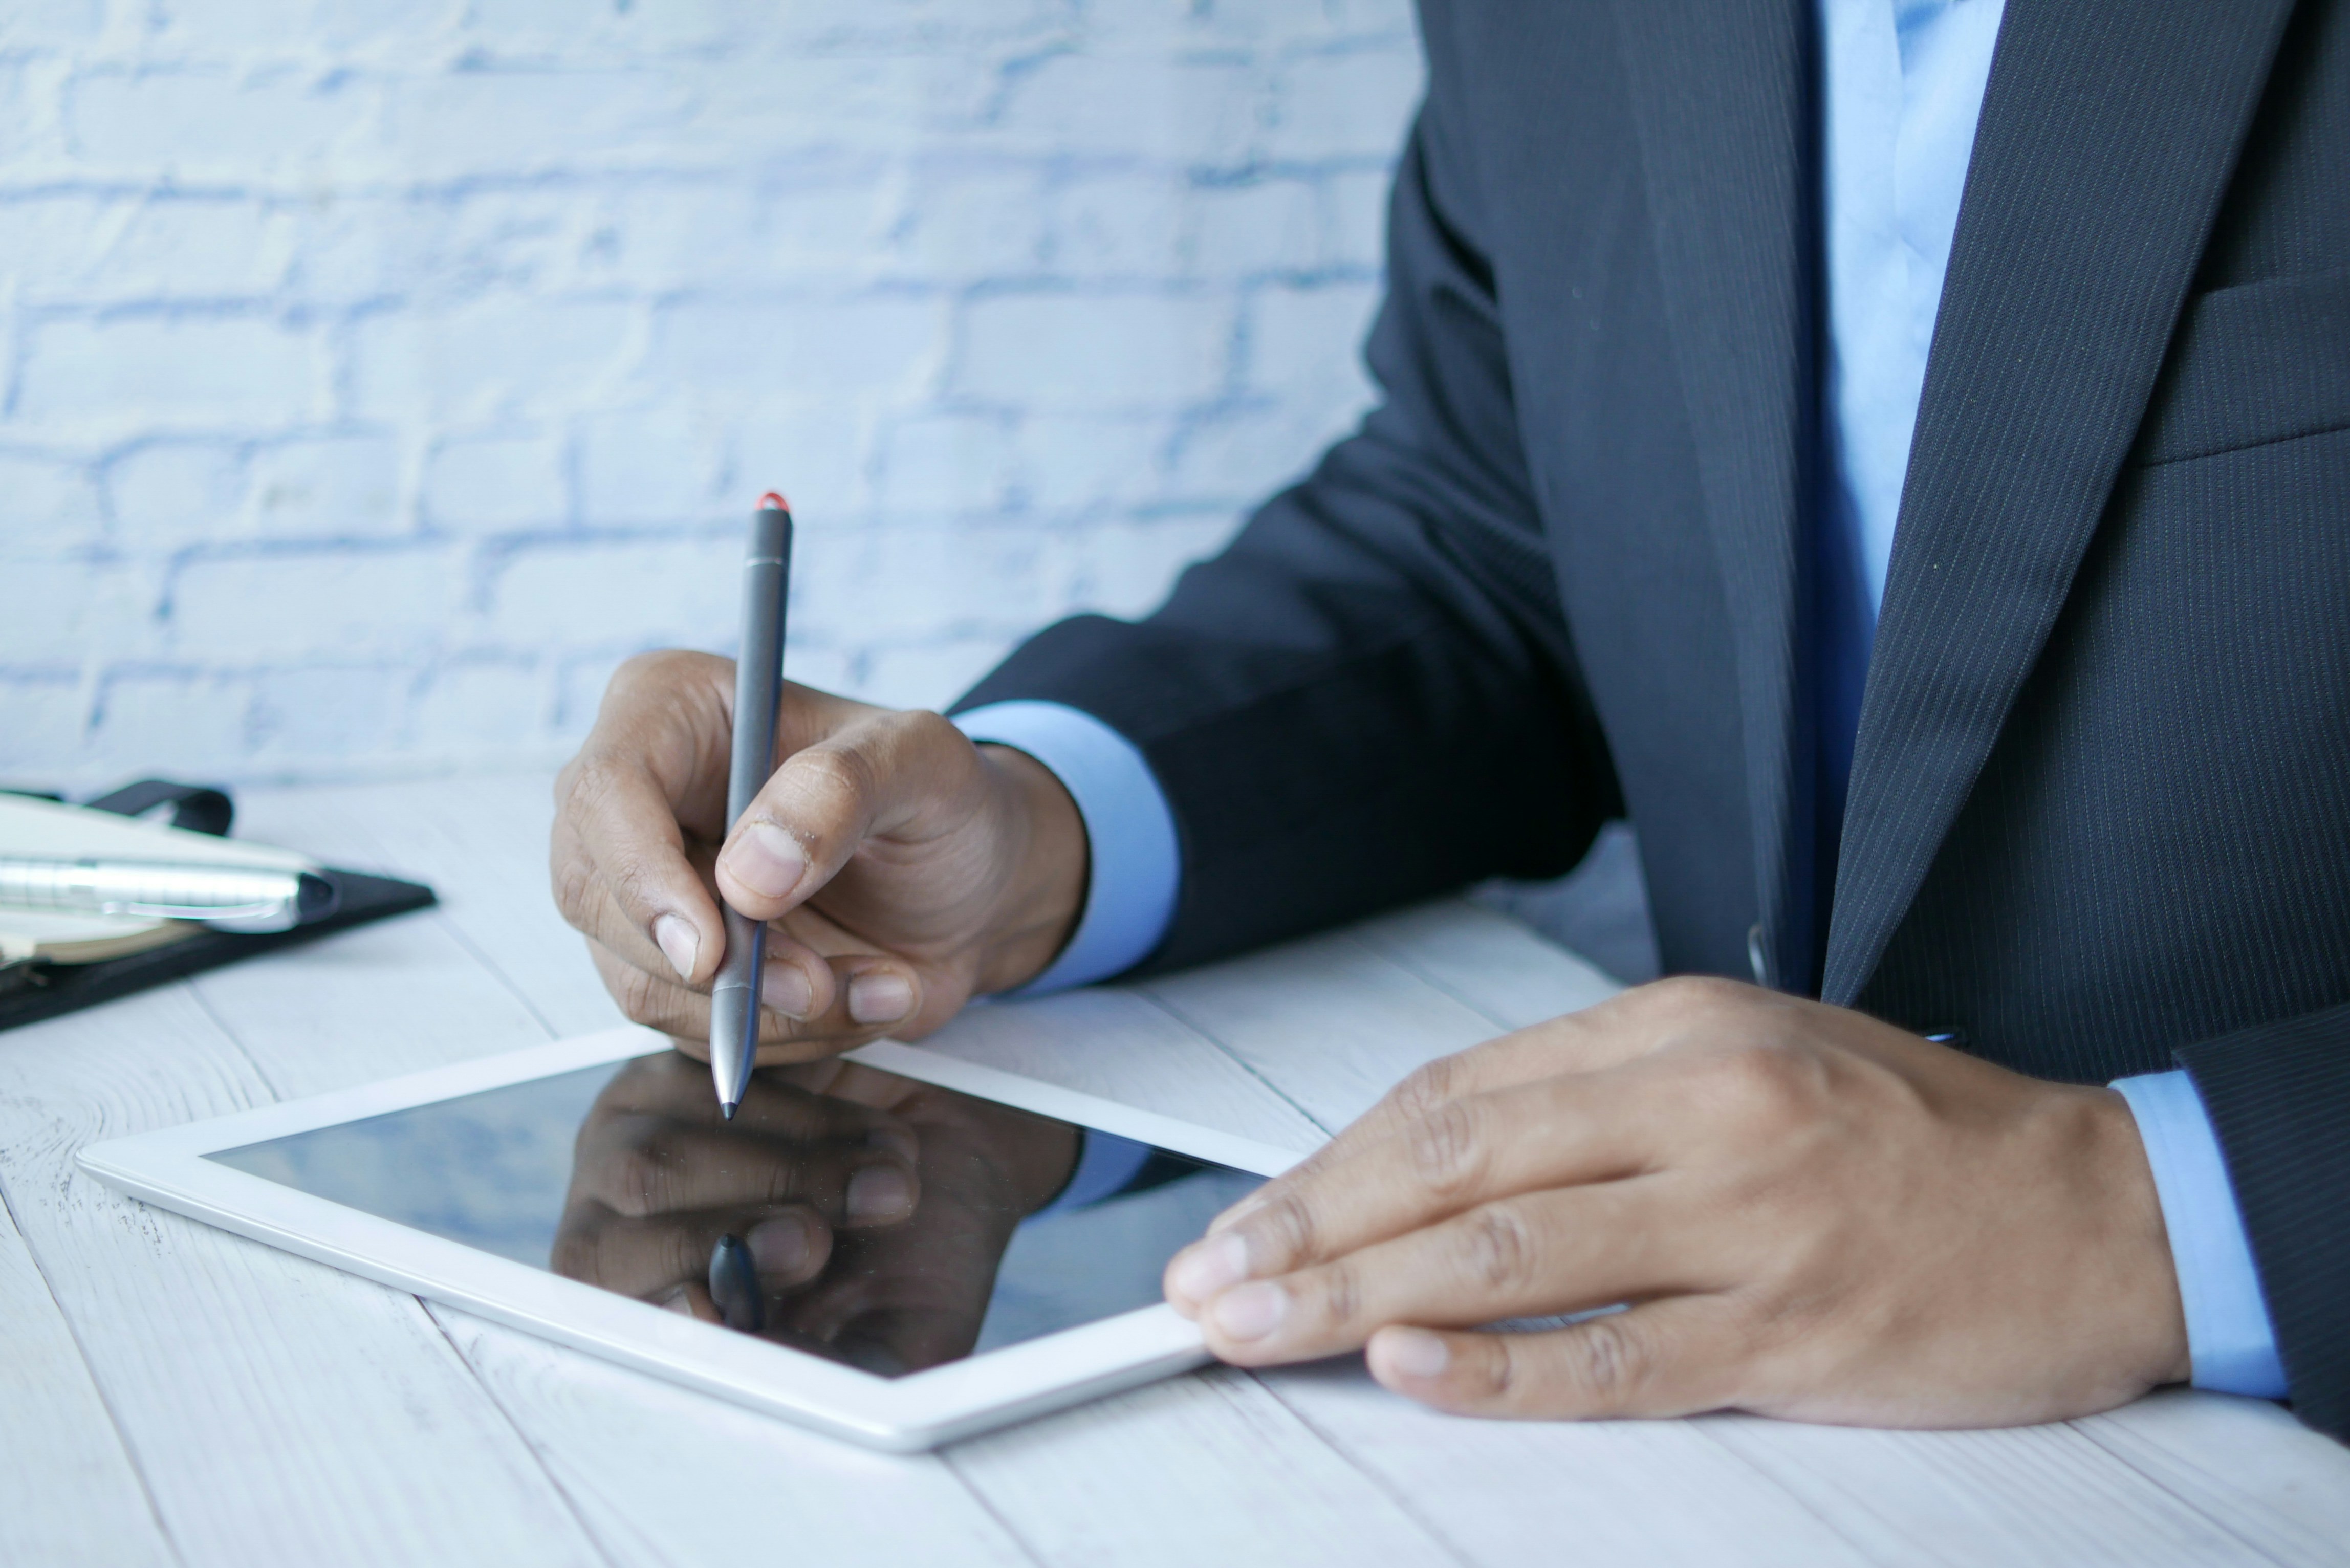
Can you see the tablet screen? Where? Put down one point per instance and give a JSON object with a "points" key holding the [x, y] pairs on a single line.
{"points": [[864, 1216]]}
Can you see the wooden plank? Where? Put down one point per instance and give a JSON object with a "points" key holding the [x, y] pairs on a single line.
{"points": [[664, 1475], [481, 843], [1119, 1045], [280, 1410], [1488, 963], [2279, 1485], [1209, 1468], [364, 1005], [2022, 1495], [1329, 1022], [1505, 1492], [1599, 911], [68, 1490]]}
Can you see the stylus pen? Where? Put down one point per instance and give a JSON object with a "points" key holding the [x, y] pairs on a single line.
{"points": [[758, 687], [734, 1285]]}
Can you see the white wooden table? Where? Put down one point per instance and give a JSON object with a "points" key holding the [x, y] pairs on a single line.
{"points": [[169, 1393]]}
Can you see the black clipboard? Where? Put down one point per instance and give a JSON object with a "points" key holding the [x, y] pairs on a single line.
{"points": [[42, 991]]}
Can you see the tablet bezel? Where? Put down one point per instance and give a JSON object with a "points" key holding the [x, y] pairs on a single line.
{"points": [[168, 1167]]}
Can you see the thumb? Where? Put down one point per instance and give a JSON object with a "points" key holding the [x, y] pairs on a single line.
{"points": [[881, 775]]}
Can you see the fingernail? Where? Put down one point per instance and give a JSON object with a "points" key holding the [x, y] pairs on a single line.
{"points": [[678, 943], [1210, 1266], [766, 859], [1414, 1351], [1235, 1214], [880, 1192], [780, 1247], [879, 996], [786, 988], [1249, 1311]]}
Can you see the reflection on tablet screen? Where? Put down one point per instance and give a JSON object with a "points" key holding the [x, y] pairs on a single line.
{"points": [[861, 1215]]}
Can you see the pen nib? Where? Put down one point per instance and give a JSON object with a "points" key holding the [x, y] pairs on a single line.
{"points": [[727, 1107]]}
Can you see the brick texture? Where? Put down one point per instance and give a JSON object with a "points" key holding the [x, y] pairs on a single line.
{"points": [[375, 377]]}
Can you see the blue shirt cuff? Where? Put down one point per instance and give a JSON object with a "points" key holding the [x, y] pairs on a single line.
{"points": [[1105, 1164], [2229, 1335], [1136, 865]]}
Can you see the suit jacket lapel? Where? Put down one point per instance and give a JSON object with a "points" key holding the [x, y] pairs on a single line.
{"points": [[2105, 143], [1721, 99]]}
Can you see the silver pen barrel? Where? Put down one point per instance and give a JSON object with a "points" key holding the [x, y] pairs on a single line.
{"points": [[758, 688], [235, 898]]}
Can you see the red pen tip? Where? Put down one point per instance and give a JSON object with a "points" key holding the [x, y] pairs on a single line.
{"points": [[773, 501]]}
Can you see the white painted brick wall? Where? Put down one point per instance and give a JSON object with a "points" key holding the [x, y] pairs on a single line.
{"points": [[375, 375]]}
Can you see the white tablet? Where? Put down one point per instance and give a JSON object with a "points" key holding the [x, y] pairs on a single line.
{"points": [[886, 1247]]}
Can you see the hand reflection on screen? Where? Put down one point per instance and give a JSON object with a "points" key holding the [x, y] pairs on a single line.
{"points": [[873, 1209]]}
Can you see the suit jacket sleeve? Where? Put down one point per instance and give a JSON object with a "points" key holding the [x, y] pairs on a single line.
{"points": [[2278, 1097], [1369, 696]]}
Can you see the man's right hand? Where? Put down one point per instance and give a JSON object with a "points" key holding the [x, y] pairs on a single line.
{"points": [[901, 869]]}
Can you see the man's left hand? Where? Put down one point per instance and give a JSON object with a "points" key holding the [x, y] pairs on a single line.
{"points": [[1810, 1214]]}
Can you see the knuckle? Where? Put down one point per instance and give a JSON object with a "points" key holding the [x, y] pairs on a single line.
{"points": [[639, 667], [1698, 995], [919, 729], [642, 1177], [575, 1253], [643, 998], [1342, 1294], [946, 760], [1607, 1362], [833, 770], [655, 670], [1768, 1083], [1430, 1086], [631, 884], [1288, 1225], [1499, 1247], [575, 883], [585, 783], [1447, 1154], [1491, 1374], [788, 1181], [682, 1255]]}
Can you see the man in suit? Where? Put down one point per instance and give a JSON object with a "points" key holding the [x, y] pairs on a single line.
{"points": [[1899, 456]]}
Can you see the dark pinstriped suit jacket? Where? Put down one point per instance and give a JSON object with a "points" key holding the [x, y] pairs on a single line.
{"points": [[2099, 818]]}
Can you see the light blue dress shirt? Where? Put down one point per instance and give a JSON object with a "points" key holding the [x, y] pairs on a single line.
{"points": [[2228, 1334], [1905, 84], [1135, 864]]}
